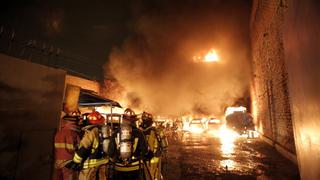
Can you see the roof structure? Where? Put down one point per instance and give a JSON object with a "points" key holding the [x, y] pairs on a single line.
{"points": [[90, 98]]}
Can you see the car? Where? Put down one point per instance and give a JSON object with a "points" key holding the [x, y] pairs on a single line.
{"points": [[213, 125], [197, 126], [240, 122]]}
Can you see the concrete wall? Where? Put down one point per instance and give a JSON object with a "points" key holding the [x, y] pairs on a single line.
{"points": [[30, 103], [84, 83], [271, 105], [302, 53]]}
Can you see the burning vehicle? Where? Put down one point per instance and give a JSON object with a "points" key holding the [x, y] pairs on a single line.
{"points": [[197, 126], [238, 119], [213, 125]]}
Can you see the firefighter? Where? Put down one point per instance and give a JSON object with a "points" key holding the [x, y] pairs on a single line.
{"points": [[128, 149], [92, 157], [156, 142], [66, 143]]}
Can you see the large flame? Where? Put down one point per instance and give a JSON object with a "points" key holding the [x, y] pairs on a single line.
{"points": [[212, 56]]}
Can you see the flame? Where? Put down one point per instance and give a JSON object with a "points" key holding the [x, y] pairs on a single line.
{"points": [[212, 56], [227, 139], [196, 130], [231, 110]]}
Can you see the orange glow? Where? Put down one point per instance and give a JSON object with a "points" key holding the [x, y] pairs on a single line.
{"points": [[227, 137], [212, 56], [196, 130], [228, 163], [107, 110], [231, 110]]}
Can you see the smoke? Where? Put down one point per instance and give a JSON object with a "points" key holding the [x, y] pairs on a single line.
{"points": [[155, 64]]}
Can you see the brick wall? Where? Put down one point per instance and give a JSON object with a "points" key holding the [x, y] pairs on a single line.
{"points": [[270, 78]]}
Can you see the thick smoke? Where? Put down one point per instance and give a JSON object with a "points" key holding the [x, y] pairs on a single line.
{"points": [[156, 67]]}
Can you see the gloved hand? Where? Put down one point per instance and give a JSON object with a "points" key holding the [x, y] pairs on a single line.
{"points": [[73, 165]]}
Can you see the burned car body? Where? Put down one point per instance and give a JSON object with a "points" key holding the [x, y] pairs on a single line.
{"points": [[240, 122]]}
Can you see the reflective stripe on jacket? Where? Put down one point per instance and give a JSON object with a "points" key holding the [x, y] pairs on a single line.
{"points": [[90, 163], [129, 167], [66, 143]]}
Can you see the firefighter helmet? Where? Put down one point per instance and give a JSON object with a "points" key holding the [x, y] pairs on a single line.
{"points": [[71, 111], [130, 115], [147, 120], [95, 118], [146, 116], [75, 113], [72, 115]]}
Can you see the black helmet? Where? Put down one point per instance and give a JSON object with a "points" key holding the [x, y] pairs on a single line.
{"points": [[129, 115], [147, 120]]}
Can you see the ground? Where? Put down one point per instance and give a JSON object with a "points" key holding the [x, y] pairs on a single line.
{"points": [[202, 156]]}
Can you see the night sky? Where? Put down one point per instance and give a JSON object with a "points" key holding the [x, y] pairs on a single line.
{"points": [[88, 30]]}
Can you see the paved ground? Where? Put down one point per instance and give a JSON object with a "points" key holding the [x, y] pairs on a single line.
{"points": [[205, 157]]}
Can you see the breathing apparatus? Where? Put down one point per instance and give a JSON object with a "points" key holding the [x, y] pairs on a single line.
{"points": [[126, 144]]}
